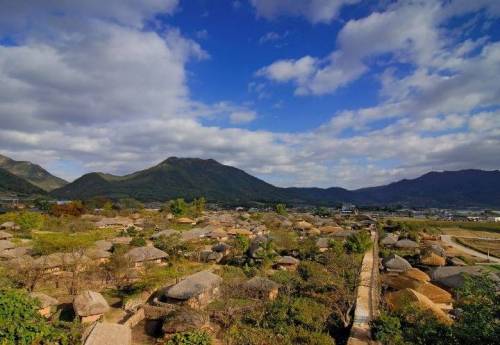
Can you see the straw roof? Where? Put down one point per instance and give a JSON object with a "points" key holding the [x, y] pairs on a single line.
{"points": [[4, 235], [166, 233], [90, 303], [217, 233], [109, 334], [261, 284], [389, 240], [14, 252], [221, 247], [194, 234], [45, 300], [328, 229], [96, 253], [417, 274], [194, 285], [121, 240], [140, 254], [398, 299], [453, 276], [399, 282], [185, 320], [457, 262], [6, 244], [240, 231], [303, 225], [288, 260], [396, 263], [436, 249], [432, 259], [184, 220], [434, 293], [103, 245], [405, 243]]}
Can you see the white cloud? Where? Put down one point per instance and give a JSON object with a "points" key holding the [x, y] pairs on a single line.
{"points": [[240, 117], [316, 11]]}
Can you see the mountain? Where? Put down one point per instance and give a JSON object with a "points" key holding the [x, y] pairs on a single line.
{"points": [[191, 177], [32, 173], [12, 184], [174, 178]]}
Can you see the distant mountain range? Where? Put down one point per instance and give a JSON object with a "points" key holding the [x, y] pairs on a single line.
{"points": [[192, 177], [12, 184], [32, 173]]}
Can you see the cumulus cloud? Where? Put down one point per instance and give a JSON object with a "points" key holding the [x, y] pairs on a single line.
{"points": [[242, 117], [316, 11]]}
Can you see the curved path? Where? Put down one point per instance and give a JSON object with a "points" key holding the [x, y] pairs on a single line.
{"points": [[447, 239]]}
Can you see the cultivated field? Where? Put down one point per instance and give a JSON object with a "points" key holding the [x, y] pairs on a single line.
{"points": [[481, 245]]}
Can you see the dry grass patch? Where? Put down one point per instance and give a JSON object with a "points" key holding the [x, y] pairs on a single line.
{"points": [[483, 246]]}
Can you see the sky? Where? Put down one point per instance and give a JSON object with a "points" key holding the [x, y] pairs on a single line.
{"points": [[348, 93]]}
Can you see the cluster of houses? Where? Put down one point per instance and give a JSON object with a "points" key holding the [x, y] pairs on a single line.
{"points": [[429, 280]]}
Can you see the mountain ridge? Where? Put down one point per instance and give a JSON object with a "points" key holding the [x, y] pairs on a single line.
{"points": [[194, 177], [33, 173]]}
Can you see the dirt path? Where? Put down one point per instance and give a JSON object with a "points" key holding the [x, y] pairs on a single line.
{"points": [[367, 297], [448, 240]]}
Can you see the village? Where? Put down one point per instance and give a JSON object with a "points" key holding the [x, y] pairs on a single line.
{"points": [[161, 276]]}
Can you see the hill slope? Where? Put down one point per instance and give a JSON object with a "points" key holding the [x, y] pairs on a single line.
{"points": [[173, 178], [32, 173], [12, 184], [190, 177]]}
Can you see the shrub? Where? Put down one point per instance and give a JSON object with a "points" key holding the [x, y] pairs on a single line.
{"points": [[29, 220], [138, 242], [280, 209], [387, 330], [359, 242], [190, 338]]}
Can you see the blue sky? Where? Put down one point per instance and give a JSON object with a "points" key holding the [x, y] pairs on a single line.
{"points": [[349, 93]]}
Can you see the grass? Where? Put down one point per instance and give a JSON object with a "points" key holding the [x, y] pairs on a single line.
{"points": [[483, 246]]}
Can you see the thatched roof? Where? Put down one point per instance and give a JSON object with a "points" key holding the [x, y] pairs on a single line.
{"points": [[103, 245], [6, 244], [389, 240], [121, 240], [194, 285], [432, 259], [14, 252], [434, 293], [240, 231], [399, 282], [96, 253], [453, 276], [221, 247], [436, 249], [396, 263], [166, 233], [288, 260], [405, 243], [329, 229], [109, 334], [457, 262], [185, 320], [141, 254], [90, 303], [323, 242], [45, 300], [398, 299], [417, 274], [4, 235], [217, 233], [261, 284], [61, 259], [194, 234], [344, 234], [303, 225], [185, 220], [9, 225]]}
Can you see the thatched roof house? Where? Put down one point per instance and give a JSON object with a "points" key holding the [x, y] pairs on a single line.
{"points": [[103, 245], [90, 306], [9, 226], [389, 240], [415, 273], [46, 303], [218, 234], [399, 299], [406, 244], [13, 253], [142, 255], [166, 233], [436, 249], [98, 254], [185, 220], [108, 334], [196, 290], [185, 320], [288, 263], [261, 287], [323, 243], [194, 234], [54, 263], [454, 276], [4, 235], [434, 293], [240, 231], [330, 229], [395, 263], [430, 258], [6, 244]]}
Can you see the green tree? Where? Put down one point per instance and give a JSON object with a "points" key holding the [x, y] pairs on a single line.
{"points": [[358, 242], [178, 207], [21, 324], [30, 220], [280, 209], [387, 330], [198, 206]]}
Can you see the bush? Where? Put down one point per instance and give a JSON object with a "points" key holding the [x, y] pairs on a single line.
{"points": [[138, 242], [359, 242], [387, 330], [280, 209], [29, 220], [190, 338], [21, 324]]}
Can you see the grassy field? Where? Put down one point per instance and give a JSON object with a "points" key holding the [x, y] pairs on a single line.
{"points": [[482, 246], [461, 229]]}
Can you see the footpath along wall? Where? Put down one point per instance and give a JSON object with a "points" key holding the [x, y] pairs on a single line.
{"points": [[368, 296]]}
